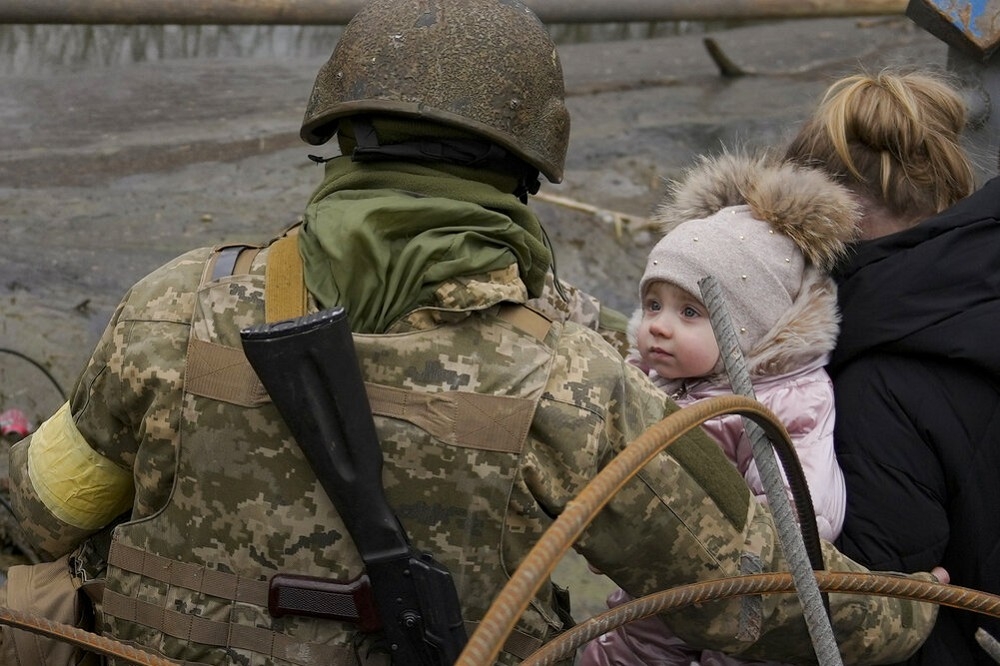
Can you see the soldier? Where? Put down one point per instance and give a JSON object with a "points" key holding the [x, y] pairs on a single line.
{"points": [[172, 490]]}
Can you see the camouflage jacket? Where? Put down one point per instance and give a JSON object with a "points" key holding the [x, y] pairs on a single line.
{"points": [[167, 425]]}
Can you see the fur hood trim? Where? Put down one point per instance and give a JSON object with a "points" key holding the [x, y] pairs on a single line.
{"points": [[819, 215]]}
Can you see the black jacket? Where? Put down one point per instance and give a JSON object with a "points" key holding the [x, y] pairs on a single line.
{"points": [[917, 379]]}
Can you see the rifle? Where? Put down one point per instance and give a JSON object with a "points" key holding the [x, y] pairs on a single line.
{"points": [[310, 369]]}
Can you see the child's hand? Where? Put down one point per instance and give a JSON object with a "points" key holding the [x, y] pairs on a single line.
{"points": [[942, 574]]}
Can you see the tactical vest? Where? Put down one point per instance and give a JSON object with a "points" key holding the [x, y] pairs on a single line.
{"points": [[453, 406]]}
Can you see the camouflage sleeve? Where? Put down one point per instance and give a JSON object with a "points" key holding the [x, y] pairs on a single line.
{"points": [[44, 492], [688, 516], [74, 475]]}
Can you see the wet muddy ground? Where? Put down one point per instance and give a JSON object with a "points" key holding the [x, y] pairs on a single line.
{"points": [[108, 171]]}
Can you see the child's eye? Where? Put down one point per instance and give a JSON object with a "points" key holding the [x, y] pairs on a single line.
{"points": [[690, 312], [653, 306]]}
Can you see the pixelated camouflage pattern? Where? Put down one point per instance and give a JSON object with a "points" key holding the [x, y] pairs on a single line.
{"points": [[225, 486], [567, 303]]}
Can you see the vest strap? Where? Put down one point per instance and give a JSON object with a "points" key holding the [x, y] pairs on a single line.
{"points": [[470, 420], [525, 320], [196, 629], [222, 373], [214, 583], [224, 262], [228, 260], [284, 281], [244, 260], [232, 588], [188, 575]]}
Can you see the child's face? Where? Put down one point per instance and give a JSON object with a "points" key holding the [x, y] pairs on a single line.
{"points": [[675, 337]]}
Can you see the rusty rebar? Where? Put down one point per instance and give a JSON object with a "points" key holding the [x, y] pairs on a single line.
{"points": [[485, 643], [887, 585], [81, 638]]}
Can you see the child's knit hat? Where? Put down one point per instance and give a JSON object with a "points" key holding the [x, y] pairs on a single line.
{"points": [[756, 226]]}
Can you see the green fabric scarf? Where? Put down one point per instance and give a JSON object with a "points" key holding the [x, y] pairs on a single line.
{"points": [[379, 238]]}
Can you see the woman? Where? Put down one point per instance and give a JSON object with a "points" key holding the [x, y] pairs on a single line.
{"points": [[916, 369]]}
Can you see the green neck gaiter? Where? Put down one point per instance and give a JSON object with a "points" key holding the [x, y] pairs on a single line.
{"points": [[379, 238]]}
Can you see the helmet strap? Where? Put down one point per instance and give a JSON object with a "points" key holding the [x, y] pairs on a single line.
{"points": [[527, 184]]}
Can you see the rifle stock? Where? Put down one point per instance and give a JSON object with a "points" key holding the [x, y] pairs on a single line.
{"points": [[310, 369]]}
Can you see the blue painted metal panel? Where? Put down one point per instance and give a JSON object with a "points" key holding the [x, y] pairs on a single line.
{"points": [[970, 25], [966, 16]]}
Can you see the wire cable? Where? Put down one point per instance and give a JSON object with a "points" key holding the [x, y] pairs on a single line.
{"points": [[38, 365]]}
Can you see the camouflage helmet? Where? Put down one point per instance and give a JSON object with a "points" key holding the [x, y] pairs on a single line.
{"points": [[485, 66]]}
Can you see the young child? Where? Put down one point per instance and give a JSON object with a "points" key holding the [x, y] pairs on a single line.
{"points": [[769, 233]]}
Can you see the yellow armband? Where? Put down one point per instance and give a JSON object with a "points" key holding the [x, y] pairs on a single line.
{"points": [[79, 486]]}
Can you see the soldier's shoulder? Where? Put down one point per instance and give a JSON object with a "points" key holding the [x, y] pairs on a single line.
{"points": [[584, 339], [562, 301], [168, 292], [586, 356]]}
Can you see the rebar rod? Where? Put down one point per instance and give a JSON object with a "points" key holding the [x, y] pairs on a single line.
{"points": [[843, 582], [789, 535], [509, 604]]}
